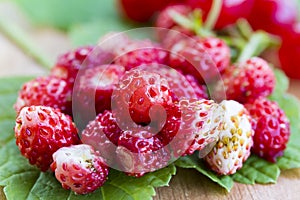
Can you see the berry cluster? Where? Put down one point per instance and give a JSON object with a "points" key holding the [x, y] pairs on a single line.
{"points": [[139, 105]]}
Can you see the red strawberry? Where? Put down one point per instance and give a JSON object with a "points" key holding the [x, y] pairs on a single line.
{"points": [[137, 92], [140, 152], [92, 93], [136, 53], [181, 86], [203, 58], [40, 131], [103, 134], [46, 91], [79, 168], [70, 63], [271, 126], [248, 80]]}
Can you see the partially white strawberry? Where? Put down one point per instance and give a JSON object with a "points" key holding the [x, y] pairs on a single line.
{"points": [[235, 138], [79, 168]]}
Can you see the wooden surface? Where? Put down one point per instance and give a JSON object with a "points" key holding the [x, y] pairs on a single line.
{"points": [[187, 184]]}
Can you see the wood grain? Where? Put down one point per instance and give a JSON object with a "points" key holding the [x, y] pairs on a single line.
{"points": [[187, 184]]}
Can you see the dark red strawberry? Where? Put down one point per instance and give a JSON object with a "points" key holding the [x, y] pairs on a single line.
{"points": [[271, 126], [40, 131], [46, 91]]}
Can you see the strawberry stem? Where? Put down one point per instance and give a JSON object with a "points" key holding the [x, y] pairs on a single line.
{"points": [[213, 15], [20, 39], [181, 20]]}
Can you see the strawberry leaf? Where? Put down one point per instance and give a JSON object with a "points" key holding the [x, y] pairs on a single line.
{"points": [[257, 170], [195, 163], [23, 181]]}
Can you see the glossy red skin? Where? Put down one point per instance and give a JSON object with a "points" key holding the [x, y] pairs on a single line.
{"points": [[289, 52], [142, 10], [231, 10], [273, 15]]}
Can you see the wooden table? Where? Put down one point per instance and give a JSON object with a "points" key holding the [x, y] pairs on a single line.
{"points": [[187, 184]]}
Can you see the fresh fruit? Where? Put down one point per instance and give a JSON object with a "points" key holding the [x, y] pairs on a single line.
{"points": [[231, 10], [40, 131], [271, 126], [140, 152], [136, 53], [69, 64], [235, 139], [247, 80], [46, 91], [202, 58], [138, 93], [92, 94], [79, 168], [274, 16]]}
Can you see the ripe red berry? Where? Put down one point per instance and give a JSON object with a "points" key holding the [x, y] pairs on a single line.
{"points": [[271, 126], [273, 16], [136, 53], [140, 152], [79, 168], [137, 92], [248, 80], [231, 10], [46, 91], [40, 131]]}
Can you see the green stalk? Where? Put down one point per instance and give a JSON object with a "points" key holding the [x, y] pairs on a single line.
{"points": [[21, 40], [213, 15]]}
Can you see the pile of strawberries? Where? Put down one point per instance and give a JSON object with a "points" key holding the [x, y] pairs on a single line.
{"points": [[138, 105]]}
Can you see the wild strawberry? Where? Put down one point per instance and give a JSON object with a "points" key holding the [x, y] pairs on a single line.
{"points": [[202, 58], [70, 63], [103, 134], [92, 93], [40, 131], [248, 80], [136, 53], [140, 152], [199, 122], [271, 126], [46, 91], [235, 139], [79, 168], [137, 92]]}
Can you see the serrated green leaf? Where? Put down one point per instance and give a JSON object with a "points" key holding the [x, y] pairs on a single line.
{"points": [[257, 170], [195, 163], [290, 159]]}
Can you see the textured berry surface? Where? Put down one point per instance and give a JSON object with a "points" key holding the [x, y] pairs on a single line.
{"points": [[45, 91], [235, 139], [40, 131], [248, 80], [140, 152], [272, 128], [136, 53], [137, 92], [79, 168]]}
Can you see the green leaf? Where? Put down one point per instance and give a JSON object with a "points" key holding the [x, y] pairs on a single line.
{"points": [[282, 82], [64, 14], [257, 170], [23, 181], [195, 163]]}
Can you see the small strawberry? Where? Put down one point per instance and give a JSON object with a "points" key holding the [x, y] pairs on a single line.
{"points": [[202, 58], [137, 93], [271, 126], [92, 93], [248, 80], [46, 91], [103, 134], [79, 168], [40, 131], [140, 152], [136, 53], [70, 63], [235, 139]]}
